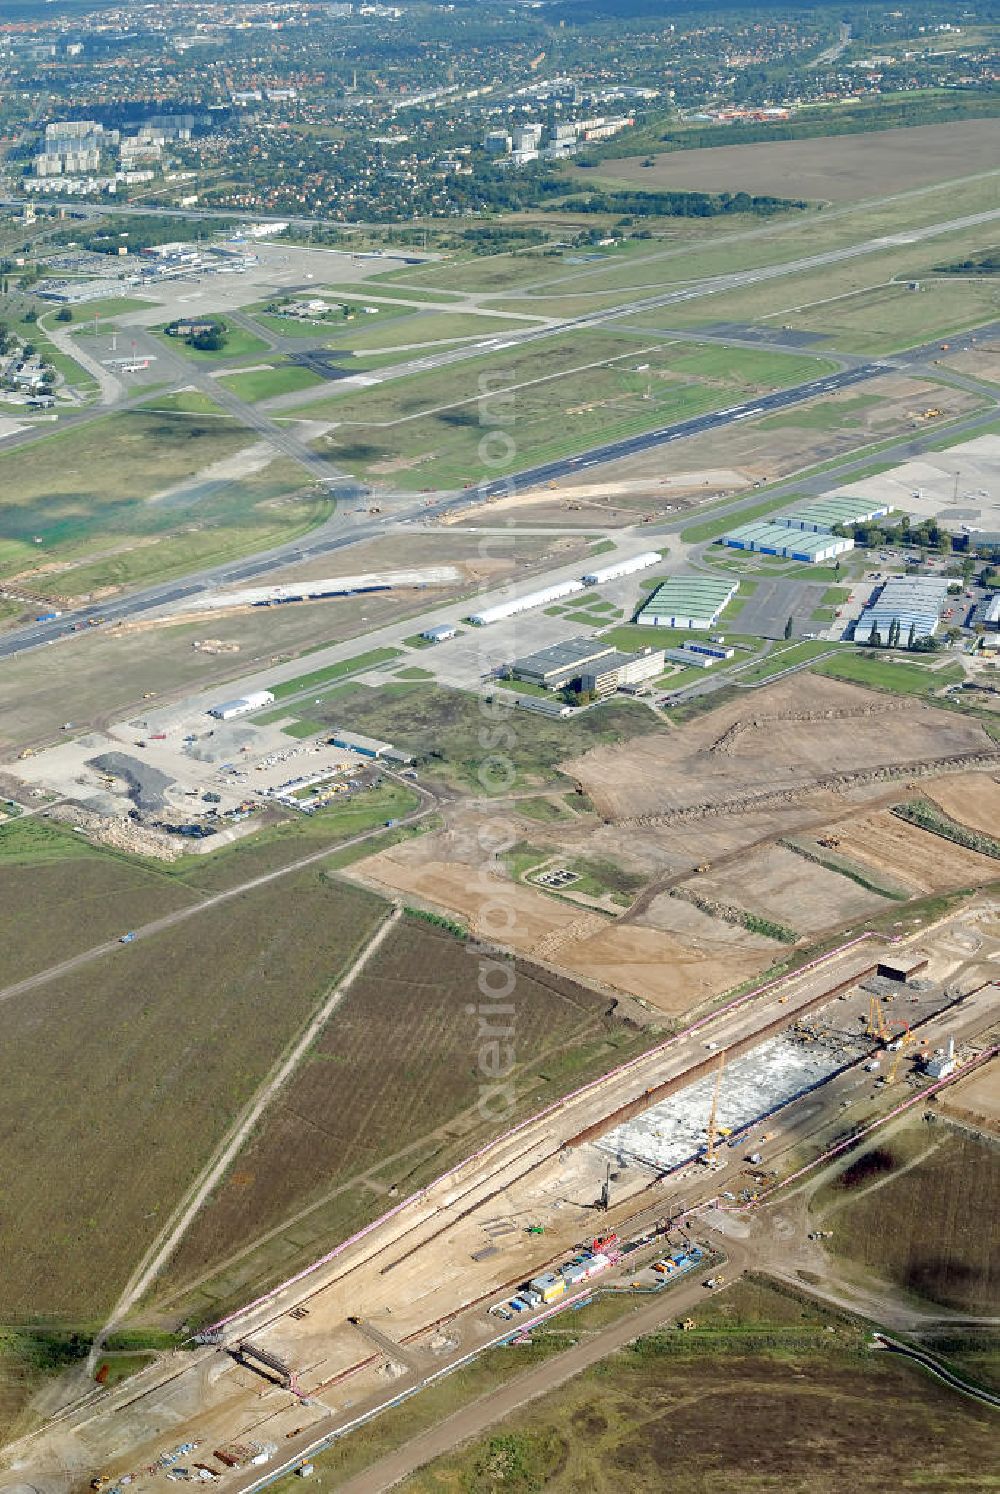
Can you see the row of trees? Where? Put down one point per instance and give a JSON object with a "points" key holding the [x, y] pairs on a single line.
{"points": [[639, 204], [915, 645]]}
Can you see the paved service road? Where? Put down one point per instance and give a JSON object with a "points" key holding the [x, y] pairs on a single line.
{"points": [[774, 602]]}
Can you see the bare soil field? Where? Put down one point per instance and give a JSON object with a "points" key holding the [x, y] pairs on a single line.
{"points": [[979, 362], [975, 1100], [388, 1097], [117, 1081], [102, 680], [787, 738], [907, 854], [775, 883], [615, 504], [688, 473], [673, 963], [924, 1229], [491, 561], [973, 799], [833, 168], [674, 956]]}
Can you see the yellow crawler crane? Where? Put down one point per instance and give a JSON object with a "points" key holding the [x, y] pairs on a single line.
{"points": [[904, 1042]]}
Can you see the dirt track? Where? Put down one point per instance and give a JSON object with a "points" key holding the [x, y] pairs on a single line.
{"points": [[472, 1420]]}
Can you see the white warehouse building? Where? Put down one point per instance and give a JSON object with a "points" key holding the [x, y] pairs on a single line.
{"points": [[622, 568], [227, 709], [531, 599]]}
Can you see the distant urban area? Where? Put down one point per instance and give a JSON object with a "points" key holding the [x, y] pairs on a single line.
{"points": [[499, 747]]}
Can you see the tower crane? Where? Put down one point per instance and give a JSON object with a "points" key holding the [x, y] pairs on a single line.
{"points": [[877, 1027], [711, 1158]]}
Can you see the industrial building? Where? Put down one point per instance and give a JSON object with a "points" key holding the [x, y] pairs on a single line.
{"points": [[558, 666], [775, 538], [622, 568], [622, 671], [695, 655], [986, 614], [942, 1062], [824, 514], [714, 651], [531, 599], [912, 602], [227, 709], [371, 747], [693, 661], [587, 664], [687, 602], [440, 634]]}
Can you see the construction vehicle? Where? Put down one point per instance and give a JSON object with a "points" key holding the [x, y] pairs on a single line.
{"points": [[831, 842], [536, 1229], [931, 414], [704, 867], [904, 1042]]}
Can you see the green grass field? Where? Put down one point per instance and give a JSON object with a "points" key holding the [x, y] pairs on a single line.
{"points": [[265, 383], [237, 517], [379, 288], [901, 678], [922, 1231], [719, 247], [319, 677], [110, 306], [443, 727], [782, 658], [388, 1092], [78, 485], [754, 1398], [569, 392], [409, 326], [184, 402], [152, 1050], [239, 344]]}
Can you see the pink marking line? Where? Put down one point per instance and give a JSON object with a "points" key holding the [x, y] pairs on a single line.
{"points": [[532, 1120], [974, 1063]]}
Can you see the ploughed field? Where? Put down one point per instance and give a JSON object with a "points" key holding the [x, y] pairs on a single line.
{"points": [[119, 1079], [766, 1392], [839, 168], [925, 1227], [386, 1100]]}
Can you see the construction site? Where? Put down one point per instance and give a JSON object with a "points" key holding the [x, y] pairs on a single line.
{"points": [[723, 1113]]}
